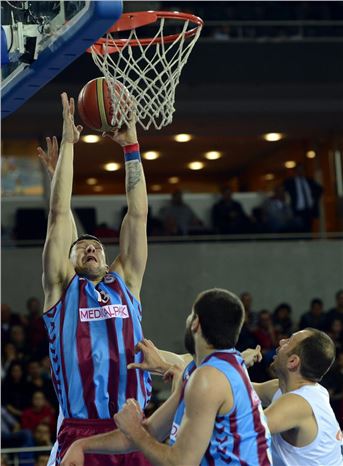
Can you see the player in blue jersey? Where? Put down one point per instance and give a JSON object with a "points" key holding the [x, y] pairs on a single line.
{"points": [[92, 310], [214, 417]]}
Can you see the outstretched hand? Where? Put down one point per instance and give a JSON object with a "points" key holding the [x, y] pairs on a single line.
{"points": [[152, 361], [125, 135], [251, 356], [50, 156], [71, 133]]}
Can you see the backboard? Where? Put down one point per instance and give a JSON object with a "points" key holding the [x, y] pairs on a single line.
{"points": [[40, 39]]}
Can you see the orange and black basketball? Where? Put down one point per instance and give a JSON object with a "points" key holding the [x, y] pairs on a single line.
{"points": [[95, 105]]}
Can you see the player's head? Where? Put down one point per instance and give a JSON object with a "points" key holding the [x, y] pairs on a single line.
{"points": [[88, 258], [307, 354], [217, 317]]}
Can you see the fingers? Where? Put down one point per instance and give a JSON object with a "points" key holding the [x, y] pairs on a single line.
{"points": [[72, 106], [55, 144], [79, 128], [137, 365]]}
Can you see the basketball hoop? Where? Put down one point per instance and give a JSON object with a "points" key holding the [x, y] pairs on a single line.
{"points": [[148, 62]]}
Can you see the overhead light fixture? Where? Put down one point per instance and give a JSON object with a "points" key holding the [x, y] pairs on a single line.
{"points": [[272, 137], [112, 166], [269, 176], [98, 189], [173, 179], [90, 138], [196, 165], [91, 181], [213, 155], [311, 154], [183, 137], [151, 155], [290, 164], [155, 187]]}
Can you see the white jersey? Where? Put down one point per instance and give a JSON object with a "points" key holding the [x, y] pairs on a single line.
{"points": [[326, 448]]}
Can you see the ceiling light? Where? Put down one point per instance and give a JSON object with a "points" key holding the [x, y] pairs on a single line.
{"points": [[182, 137], [91, 181], [173, 179], [151, 155], [290, 164], [155, 187], [213, 155], [112, 166], [272, 137], [98, 189], [90, 138], [196, 165], [310, 154], [269, 176]]}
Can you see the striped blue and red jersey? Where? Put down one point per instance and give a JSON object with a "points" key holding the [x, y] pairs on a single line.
{"points": [[241, 436], [93, 330]]}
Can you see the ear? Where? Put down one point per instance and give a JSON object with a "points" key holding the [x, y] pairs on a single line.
{"points": [[195, 324], [293, 362]]}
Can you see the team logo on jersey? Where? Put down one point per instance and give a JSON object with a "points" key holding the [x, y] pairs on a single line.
{"points": [[109, 278], [174, 431], [102, 296], [111, 311]]}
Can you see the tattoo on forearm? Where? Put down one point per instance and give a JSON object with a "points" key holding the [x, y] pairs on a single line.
{"points": [[133, 174]]}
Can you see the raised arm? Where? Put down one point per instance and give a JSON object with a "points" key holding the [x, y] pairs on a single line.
{"points": [[133, 248], [57, 270], [49, 159]]}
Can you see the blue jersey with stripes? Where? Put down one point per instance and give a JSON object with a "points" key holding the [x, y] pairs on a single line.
{"points": [[240, 437], [92, 331]]}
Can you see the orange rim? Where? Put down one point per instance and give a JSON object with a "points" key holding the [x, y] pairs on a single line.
{"points": [[129, 21]]}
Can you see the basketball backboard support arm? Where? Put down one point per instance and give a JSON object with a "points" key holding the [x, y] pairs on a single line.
{"points": [[71, 41]]}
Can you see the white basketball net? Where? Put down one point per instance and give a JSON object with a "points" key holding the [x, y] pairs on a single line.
{"points": [[150, 73]]}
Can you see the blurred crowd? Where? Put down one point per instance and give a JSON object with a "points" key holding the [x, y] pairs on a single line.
{"points": [[29, 407], [292, 208]]}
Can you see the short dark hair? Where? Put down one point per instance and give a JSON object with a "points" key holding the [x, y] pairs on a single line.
{"points": [[81, 238], [221, 316], [317, 354], [316, 301]]}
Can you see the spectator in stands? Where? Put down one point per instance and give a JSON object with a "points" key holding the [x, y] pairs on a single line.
{"points": [[305, 195], [250, 315], [228, 216], [4, 460], [337, 311], [37, 382], [282, 321], [333, 382], [35, 328], [9, 355], [12, 436], [265, 335], [8, 320], [315, 317], [178, 218], [278, 215], [42, 435], [19, 340], [39, 412], [335, 331], [42, 460], [14, 390]]}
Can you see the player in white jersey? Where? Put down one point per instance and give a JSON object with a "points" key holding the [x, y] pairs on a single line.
{"points": [[304, 429]]}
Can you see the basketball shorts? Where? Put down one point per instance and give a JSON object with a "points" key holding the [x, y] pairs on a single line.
{"points": [[74, 429]]}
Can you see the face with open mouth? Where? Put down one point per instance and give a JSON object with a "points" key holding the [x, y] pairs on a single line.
{"points": [[88, 259]]}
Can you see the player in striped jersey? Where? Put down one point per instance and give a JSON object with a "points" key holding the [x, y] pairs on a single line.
{"points": [[92, 310], [213, 418]]}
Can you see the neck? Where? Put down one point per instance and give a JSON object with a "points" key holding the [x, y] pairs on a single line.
{"points": [[288, 384], [202, 350]]}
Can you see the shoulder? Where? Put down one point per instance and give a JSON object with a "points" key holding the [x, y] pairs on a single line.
{"points": [[293, 404], [207, 383]]}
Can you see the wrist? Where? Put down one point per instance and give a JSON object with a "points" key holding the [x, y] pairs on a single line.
{"points": [[131, 152]]}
